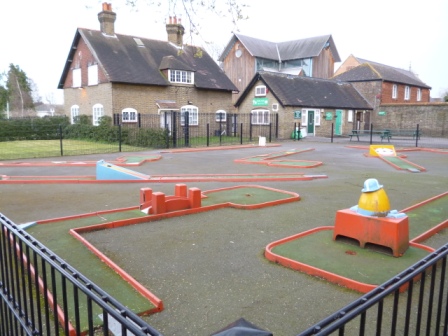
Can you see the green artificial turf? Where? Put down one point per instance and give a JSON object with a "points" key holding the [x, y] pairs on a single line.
{"points": [[350, 261], [56, 237], [244, 196]]}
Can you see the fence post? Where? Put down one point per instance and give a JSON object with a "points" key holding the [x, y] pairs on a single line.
{"points": [[208, 134], [371, 132], [139, 119], [167, 129], [187, 129], [250, 130], [60, 140], [276, 125], [119, 138], [270, 132], [417, 135], [220, 129], [175, 125], [241, 133]]}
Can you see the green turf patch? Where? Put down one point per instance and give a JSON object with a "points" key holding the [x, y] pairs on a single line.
{"points": [[56, 237], [426, 216], [399, 162], [244, 196], [346, 260]]}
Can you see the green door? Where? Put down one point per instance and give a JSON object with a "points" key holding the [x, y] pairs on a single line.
{"points": [[310, 128], [338, 123]]}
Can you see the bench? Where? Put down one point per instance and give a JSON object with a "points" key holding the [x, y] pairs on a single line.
{"points": [[401, 133], [361, 133]]}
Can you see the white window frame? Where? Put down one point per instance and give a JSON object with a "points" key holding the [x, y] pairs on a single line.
{"points": [[74, 113], [350, 116], [394, 91], [223, 116], [317, 118], [97, 113], [76, 78], [304, 117], [260, 117], [419, 94], [193, 112], [260, 91], [407, 92], [92, 73], [181, 76], [129, 115]]}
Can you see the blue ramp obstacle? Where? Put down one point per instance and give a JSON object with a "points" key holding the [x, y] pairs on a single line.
{"points": [[108, 171]]}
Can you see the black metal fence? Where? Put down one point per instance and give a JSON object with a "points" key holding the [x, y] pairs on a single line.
{"points": [[41, 294], [415, 302], [205, 129]]}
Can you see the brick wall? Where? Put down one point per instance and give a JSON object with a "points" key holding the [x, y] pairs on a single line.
{"points": [[431, 117]]}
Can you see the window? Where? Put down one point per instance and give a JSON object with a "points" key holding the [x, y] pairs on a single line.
{"points": [[193, 119], [394, 91], [221, 115], [98, 112], [350, 116], [317, 118], [76, 78], [129, 115], [407, 92], [260, 117], [178, 76], [304, 117], [74, 113], [92, 74], [419, 94], [260, 90]]}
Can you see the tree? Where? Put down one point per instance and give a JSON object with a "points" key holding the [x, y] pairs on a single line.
{"points": [[19, 92]]}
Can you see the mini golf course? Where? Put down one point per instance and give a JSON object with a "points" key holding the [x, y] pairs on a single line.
{"points": [[63, 236], [345, 263], [116, 172], [388, 154]]}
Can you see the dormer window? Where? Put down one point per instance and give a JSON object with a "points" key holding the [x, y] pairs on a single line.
{"points": [[180, 76], [260, 91]]}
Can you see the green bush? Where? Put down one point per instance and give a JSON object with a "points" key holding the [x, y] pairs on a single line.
{"points": [[46, 128]]}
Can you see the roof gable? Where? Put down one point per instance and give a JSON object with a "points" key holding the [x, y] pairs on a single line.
{"points": [[127, 59], [368, 71], [290, 50], [302, 91]]}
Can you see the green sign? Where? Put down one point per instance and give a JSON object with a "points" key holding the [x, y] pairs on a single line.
{"points": [[328, 116], [382, 113], [260, 101], [297, 114]]}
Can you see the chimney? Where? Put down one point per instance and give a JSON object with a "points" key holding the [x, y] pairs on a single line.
{"points": [[175, 31], [107, 19]]}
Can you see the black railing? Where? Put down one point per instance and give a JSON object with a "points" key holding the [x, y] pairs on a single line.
{"points": [[41, 294], [413, 302]]}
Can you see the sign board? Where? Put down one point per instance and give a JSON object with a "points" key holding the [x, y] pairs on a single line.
{"points": [[382, 113], [297, 114], [328, 116], [260, 101]]}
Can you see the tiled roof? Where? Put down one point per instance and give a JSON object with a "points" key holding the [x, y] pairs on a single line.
{"points": [[127, 59], [368, 71], [308, 92], [284, 51]]}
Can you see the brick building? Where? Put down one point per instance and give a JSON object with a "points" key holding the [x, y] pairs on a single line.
{"points": [[244, 56], [314, 103], [107, 73]]}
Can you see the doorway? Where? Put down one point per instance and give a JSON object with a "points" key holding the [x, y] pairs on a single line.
{"points": [[310, 126]]}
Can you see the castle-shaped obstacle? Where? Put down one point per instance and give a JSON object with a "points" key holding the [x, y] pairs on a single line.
{"points": [[156, 203]]}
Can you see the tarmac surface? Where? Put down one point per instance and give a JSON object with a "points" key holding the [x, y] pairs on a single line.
{"points": [[209, 268]]}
